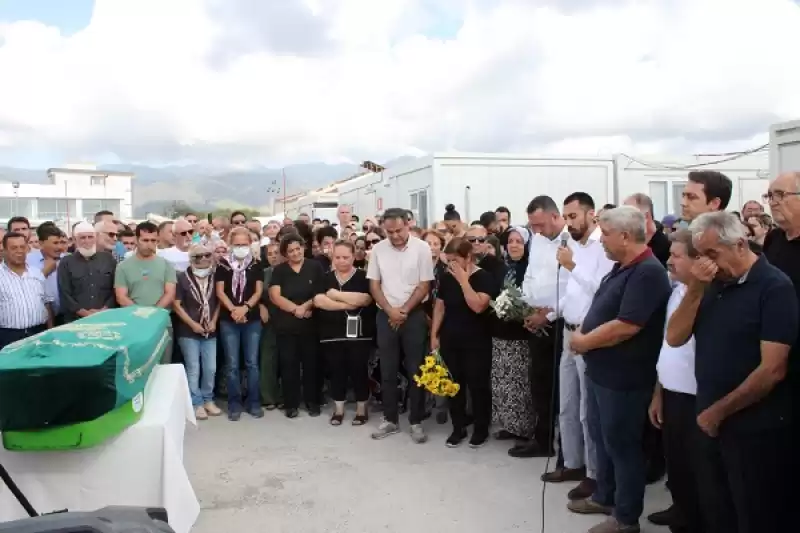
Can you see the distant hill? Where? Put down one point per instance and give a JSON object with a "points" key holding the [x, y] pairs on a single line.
{"points": [[208, 188]]}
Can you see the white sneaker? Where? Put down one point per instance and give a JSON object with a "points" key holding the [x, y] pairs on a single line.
{"points": [[418, 434], [386, 429], [200, 413]]}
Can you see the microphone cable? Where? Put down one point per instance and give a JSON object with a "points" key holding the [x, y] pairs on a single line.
{"points": [[553, 389]]}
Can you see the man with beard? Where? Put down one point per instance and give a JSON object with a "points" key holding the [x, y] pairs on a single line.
{"points": [[86, 277], [587, 264]]}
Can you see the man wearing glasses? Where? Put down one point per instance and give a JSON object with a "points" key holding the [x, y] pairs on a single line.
{"points": [[178, 255]]}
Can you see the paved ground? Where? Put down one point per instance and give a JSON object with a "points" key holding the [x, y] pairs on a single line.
{"points": [[305, 476]]}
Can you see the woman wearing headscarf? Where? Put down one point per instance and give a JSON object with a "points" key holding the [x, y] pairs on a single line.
{"points": [[240, 281], [511, 393]]}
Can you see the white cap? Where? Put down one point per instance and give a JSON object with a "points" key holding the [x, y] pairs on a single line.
{"points": [[83, 227]]}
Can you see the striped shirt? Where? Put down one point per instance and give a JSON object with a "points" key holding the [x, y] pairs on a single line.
{"points": [[23, 299], [35, 260]]}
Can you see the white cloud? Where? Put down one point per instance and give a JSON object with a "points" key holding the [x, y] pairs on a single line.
{"points": [[244, 82]]}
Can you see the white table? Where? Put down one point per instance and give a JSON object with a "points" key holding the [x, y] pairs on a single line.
{"points": [[143, 466]]}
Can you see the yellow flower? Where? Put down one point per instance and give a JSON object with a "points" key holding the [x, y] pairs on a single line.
{"points": [[430, 361]]}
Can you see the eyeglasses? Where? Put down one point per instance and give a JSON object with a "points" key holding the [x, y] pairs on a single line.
{"points": [[186, 233], [239, 222], [777, 196], [201, 256], [372, 242], [112, 234], [479, 240]]}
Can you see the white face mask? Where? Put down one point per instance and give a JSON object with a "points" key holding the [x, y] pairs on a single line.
{"points": [[87, 252], [201, 272], [240, 252]]}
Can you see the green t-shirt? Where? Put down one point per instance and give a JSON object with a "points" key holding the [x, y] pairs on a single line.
{"points": [[145, 278]]}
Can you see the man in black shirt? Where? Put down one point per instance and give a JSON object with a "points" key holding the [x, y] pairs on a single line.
{"points": [[620, 339], [656, 240], [743, 314]]}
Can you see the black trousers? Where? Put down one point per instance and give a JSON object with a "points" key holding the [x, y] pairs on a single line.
{"points": [[348, 359], [680, 432], [545, 353], [8, 336], [298, 361], [743, 481], [469, 358]]}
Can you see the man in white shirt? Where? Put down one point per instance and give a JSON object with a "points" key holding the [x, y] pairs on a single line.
{"points": [[400, 271], [544, 287], [586, 261], [673, 409], [345, 216], [178, 255]]}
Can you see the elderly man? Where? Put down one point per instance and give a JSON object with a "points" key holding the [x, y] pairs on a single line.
{"points": [[345, 215], [743, 314], [86, 278], [178, 255], [620, 339]]}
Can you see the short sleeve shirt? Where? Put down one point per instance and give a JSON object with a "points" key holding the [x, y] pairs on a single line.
{"points": [[297, 287], [254, 272], [400, 271], [459, 319], [144, 278], [333, 324], [733, 320], [636, 294]]}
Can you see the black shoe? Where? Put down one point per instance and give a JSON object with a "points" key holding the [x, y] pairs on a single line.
{"points": [[314, 411], [256, 412], [479, 438], [234, 416], [528, 450], [291, 413], [456, 438], [667, 517]]}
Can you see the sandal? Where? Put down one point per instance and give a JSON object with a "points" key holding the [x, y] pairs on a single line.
{"points": [[336, 419], [360, 420]]}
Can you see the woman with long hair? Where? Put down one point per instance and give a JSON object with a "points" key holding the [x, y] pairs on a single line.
{"points": [[461, 329], [347, 329], [511, 392], [239, 280], [197, 308], [292, 288]]}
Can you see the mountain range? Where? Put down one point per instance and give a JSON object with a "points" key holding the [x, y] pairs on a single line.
{"points": [[207, 188]]}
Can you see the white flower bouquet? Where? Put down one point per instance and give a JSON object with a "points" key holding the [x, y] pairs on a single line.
{"points": [[509, 306]]}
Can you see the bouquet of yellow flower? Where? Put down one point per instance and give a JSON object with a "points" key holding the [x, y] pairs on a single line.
{"points": [[435, 377]]}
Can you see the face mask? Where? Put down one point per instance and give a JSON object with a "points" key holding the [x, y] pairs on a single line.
{"points": [[201, 272], [240, 252], [87, 252]]}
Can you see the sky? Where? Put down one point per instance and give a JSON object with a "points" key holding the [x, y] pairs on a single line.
{"points": [[243, 83]]}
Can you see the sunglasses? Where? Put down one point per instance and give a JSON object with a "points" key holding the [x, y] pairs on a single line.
{"points": [[201, 256], [112, 234], [479, 240], [372, 242], [239, 222], [186, 233]]}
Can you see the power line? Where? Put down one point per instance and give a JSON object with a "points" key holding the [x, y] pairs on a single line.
{"points": [[725, 158]]}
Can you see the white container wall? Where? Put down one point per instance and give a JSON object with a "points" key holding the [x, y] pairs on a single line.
{"points": [[664, 180], [784, 148]]}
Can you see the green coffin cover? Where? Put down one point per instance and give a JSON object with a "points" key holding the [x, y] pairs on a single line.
{"points": [[81, 371]]}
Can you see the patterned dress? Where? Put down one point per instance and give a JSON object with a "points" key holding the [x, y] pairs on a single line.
{"points": [[512, 403]]}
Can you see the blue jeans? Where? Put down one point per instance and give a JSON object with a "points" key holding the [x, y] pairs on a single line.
{"points": [[247, 337], [197, 354], [616, 419]]}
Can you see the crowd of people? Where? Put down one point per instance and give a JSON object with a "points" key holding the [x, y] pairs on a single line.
{"points": [[650, 346]]}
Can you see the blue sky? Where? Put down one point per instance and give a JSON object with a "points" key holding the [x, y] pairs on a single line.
{"points": [[69, 16]]}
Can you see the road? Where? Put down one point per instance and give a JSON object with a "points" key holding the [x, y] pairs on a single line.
{"points": [[305, 476]]}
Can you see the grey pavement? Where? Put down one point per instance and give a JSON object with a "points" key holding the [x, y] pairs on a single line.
{"points": [[305, 476]]}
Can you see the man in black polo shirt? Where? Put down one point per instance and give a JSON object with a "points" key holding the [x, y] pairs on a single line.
{"points": [[744, 316], [620, 339]]}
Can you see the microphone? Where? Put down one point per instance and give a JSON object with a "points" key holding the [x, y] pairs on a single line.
{"points": [[564, 239]]}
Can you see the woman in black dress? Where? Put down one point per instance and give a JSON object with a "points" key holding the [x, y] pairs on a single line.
{"points": [[346, 329], [292, 288], [461, 329]]}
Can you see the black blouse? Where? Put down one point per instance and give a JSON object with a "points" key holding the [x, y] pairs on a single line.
{"points": [[297, 287], [333, 324], [253, 274], [459, 319]]}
